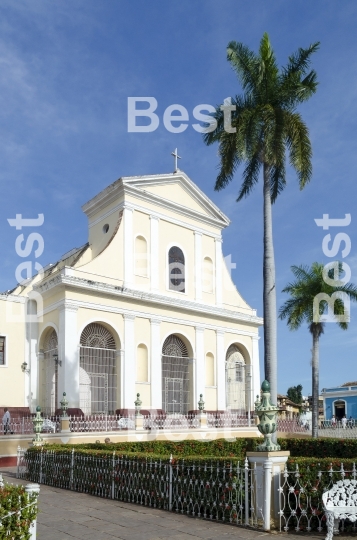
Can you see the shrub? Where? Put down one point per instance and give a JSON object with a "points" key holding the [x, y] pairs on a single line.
{"points": [[321, 448], [12, 499]]}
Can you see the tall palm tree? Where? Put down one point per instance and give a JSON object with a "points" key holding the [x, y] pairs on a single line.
{"points": [[302, 307], [263, 126]]}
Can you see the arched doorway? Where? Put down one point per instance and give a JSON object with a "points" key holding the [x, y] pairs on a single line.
{"points": [[175, 376], [235, 380], [50, 373], [340, 409], [97, 370]]}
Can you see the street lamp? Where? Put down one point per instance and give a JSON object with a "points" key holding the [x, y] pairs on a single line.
{"points": [[24, 368], [55, 358]]}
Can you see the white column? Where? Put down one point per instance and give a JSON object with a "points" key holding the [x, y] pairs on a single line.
{"points": [[198, 266], [68, 354], [128, 248], [256, 382], [219, 271], [221, 371], [200, 366], [31, 379], [129, 395], [156, 365], [154, 253]]}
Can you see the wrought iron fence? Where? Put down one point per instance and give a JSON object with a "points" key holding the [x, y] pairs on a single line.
{"points": [[227, 420], [171, 421], [300, 492], [292, 425], [338, 429], [222, 492]]}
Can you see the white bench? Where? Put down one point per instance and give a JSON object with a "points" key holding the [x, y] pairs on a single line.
{"points": [[340, 502]]}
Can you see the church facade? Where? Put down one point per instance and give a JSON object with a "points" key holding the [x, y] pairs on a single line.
{"points": [[146, 306]]}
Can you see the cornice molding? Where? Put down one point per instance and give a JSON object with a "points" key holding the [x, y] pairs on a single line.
{"points": [[13, 298], [68, 306], [148, 298]]}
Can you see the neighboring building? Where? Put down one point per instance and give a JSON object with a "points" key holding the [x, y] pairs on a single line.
{"points": [[288, 409], [146, 306], [340, 401], [321, 406]]}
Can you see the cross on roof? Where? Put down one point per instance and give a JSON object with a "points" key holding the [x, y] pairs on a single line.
{"points": [[176, 156]]}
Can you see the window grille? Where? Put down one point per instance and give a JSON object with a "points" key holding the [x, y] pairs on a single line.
{"points": [[2, 351], [175, 376], [176, 269], [235, 380], [98, 370], [50, 374]]}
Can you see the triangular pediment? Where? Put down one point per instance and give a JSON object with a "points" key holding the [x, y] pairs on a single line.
{"points": [[177, 189]]}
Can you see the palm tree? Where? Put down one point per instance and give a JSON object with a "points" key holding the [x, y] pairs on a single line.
{"points": [[263, 126], [310, 285]]}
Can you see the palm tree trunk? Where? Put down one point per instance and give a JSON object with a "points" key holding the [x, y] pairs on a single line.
{"points": [[315, 381], [269, 292]]}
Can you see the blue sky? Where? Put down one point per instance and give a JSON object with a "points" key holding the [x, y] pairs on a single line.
{"points": [[67, 69]]}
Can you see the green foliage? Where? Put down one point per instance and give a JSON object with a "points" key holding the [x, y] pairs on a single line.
{"points": [[309, 282], [320, 448], [17, 526], [295, 394], [265, 122], [220, 448]]}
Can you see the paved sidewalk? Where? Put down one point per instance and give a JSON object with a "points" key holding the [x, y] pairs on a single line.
{"points": [[67, 515]]}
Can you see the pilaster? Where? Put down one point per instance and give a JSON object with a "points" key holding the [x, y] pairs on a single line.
{"points": [[128, 247], [218, 271], [156, 364], [68, 354], [198, 266], [154, 253], [200, 365], [221, 370], [129, 362], [256, 369]]}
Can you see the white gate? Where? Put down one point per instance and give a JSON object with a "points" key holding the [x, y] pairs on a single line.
{"points": [[98, 370]]}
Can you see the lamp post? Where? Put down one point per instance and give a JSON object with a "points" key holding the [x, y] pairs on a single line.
{"points": [[24, 367]]}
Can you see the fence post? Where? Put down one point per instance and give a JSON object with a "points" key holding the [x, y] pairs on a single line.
{"points": [[41, 458], [113, 473], [31, 489], [72, 467], [267, 466], [170, 483], [246, 490]]}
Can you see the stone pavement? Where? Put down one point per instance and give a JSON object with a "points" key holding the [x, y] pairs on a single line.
{"points": [[67, 515]]}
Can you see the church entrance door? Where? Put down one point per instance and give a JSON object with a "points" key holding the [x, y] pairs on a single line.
{"points": [[98, 370], [175, 376], [50, 375]]}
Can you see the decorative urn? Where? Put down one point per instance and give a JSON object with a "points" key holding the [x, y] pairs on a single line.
{"points": [[267, 414], [37, 427]]}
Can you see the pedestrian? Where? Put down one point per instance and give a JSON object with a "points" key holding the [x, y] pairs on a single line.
{"points": [[344, 422], [350, 422], [6, 422], [333, 421]]}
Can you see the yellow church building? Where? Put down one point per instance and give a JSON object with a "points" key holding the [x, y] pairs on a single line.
{"points": [[146, 306]]}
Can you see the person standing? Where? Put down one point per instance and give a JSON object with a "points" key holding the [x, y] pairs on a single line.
{"points": [[333, 421], [344, 422], [6, 421]]}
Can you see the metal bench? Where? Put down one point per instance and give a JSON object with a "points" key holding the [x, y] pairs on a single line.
{"points": [[340, 502]]}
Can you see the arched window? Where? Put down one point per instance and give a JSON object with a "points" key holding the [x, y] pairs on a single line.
{"points": [[207, 275], [210, 379], [142, 374], [97, 370], [235, 379], [176, 269], [141, 256]]}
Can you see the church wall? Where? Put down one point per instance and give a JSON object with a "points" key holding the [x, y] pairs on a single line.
{"points": [[174, 192], [98, 238], [13, 382], [166, 214], [109, 262], [141, 228], [210, 347]]}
